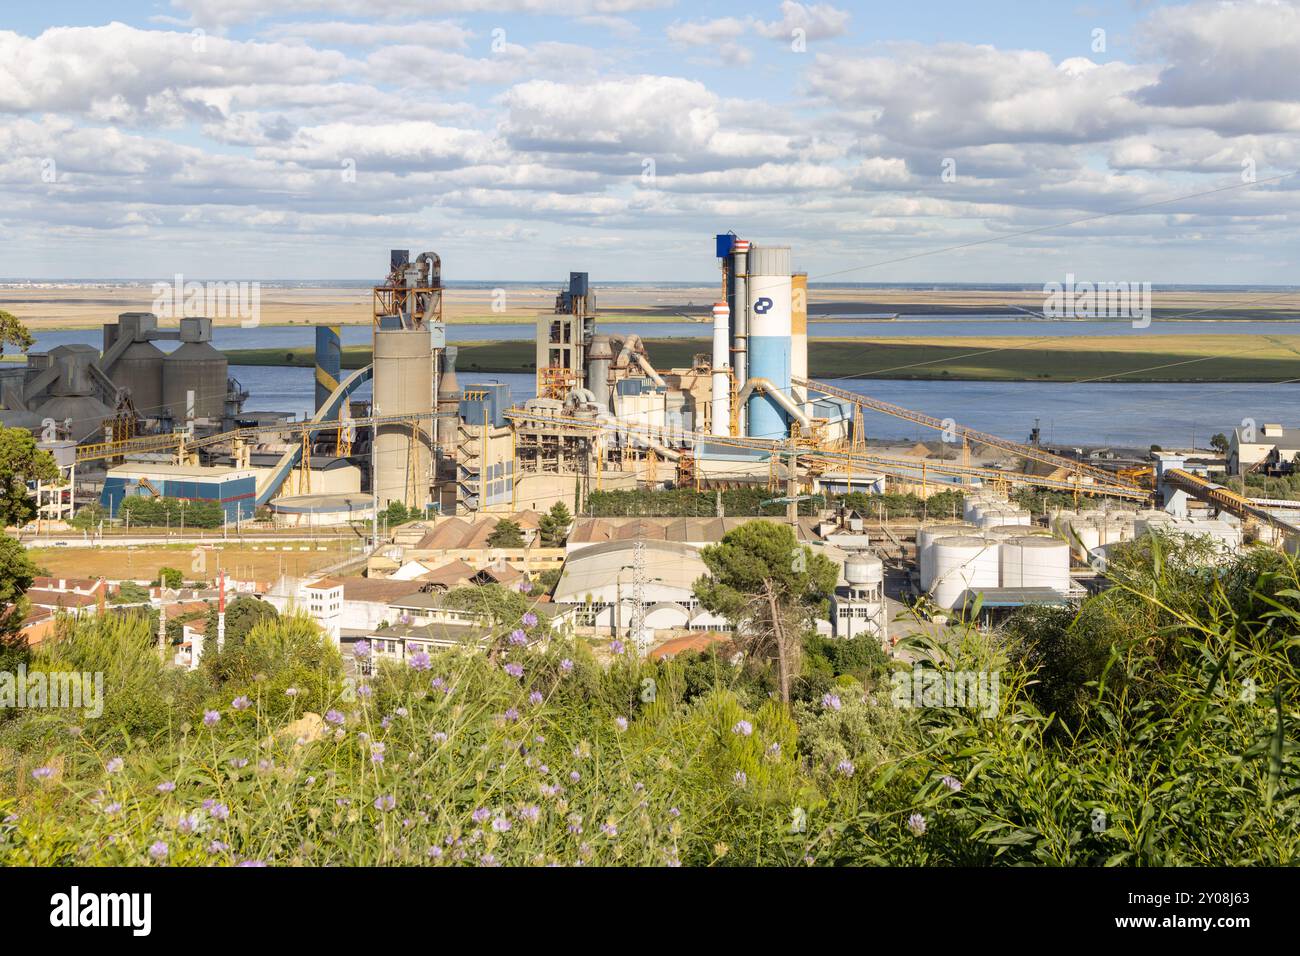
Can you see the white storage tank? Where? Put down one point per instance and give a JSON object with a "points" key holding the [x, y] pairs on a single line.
{"points": [[962, 564], [1035, 562], [925, 538]]}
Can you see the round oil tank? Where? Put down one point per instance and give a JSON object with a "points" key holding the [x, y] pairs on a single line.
{"points": [[925, 538], [1084, 536], [962, 564], [1035, 562], [1019, 530], [140, 369], [199, 368]]}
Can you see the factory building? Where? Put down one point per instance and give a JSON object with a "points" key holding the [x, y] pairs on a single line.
{"points": [[858, 608], [235, 489]]}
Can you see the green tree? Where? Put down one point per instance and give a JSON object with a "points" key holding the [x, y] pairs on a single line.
{"points": [[1219, 443], [21, 462], [554, 526], [507, 534], [242, 615], [769, 587], [16, 573], [170, 578], [396, 514], [13, 332]]}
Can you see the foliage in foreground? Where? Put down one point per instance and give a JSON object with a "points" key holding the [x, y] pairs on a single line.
{"points": [[1154, 727]]}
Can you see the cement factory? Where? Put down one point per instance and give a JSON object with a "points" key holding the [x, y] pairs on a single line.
{"points": [[131, 420]]}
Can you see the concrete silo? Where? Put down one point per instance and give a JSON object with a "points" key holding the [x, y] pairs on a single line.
{"points": [[403, 385], [769, 342], [194, 376]]}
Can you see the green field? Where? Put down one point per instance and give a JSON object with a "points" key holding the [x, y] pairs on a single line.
{"points": [[1133, 357]]}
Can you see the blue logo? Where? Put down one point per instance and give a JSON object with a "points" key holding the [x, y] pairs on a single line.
{"points": [[763, 306]]}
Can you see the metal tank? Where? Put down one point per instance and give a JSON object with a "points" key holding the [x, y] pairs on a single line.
{"points": [[599, 357], [195, 367], [73, 402], [140, 367], [926, 535], [769, 337], [962, 564], [448, 399], [1035, 562], [403, 385]]}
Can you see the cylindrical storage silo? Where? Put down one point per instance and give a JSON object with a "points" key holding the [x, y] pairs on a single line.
{"points": [[721, 388], [1084, 535], [1035, 562], [448, 400], [403, 385], [194, 376], [140, 368], [962, 564], [769, 338], [925, 538]]}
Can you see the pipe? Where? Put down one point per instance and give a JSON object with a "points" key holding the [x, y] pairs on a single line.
{"points": [[721, 362], [430, 264], [580, 394], [740, 319], [776, 395], [634, 348], [659, 449]]}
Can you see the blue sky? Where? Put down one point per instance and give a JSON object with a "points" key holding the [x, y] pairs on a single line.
{"points": [[905, 142]]}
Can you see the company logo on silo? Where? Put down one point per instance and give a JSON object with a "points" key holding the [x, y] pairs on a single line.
{"points": [[763, 305], [213, 300]]}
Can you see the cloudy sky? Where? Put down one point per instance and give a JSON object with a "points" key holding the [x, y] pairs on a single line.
{"points": [[524, 138]]}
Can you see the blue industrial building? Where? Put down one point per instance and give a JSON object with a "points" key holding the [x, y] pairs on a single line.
{"points": [[235, 489]]}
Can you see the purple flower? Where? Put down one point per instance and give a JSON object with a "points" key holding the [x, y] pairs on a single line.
{"points": [[620, 723], [739, 778], [514, 670], [333, 717], [566, 665], [774, 750], [239, 763], [219, 811], [916, 823], [419, 661], [518, 637], [609, 829], [525, 587], [385, 803], [575, 776], [291, 692], [500, 824], [674, 812], [481, 814], [240, 703], [211, 718], [831, 701], [216, 846], [167, 786], [535, 698], [439, 738], [437, 683], [377, 753], [361, 649], [112, 808], [845, 767], [952, 783], [743, 728], [530, 619], [115, 765], [252, 863], [43, 773], [512, 714], [530, 813], [365, 690], [158, 851], [435, 852]]}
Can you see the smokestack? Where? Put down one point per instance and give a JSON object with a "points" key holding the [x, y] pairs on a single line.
{"points": [[721, 390], [740, 320]]}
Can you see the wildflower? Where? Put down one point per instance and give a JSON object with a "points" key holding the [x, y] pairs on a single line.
{"points": [[831, 701], [525, 587], [518, 637], [401, 712], [385, 802], [188, 823], [739, 778], [500, 824], [112, 808], [115, 765], [674, 812], [845, 767], [743, 727], [220, 811], [167, 786], [575, 776], [216, 846], [43, 773], [439, 738], [512, 714], [254, 863], [361, 649], [239, 763], [265, 764], [566, 665], [530, 619], [530, 813], [365, 690], [620, 723], [333, 717], [514, 670], [438, 683], [616, 646], [575, 824], [435, 852], [952, 783], [774, 750], [419, 661], [240, 703], [916, 823], [550, 789], [377, 752], [211, 718], [609, 829], [159, 850], [481, 814], [535, 698], [291, 692]]}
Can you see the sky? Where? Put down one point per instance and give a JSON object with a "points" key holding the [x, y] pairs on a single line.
{"points": [[521, 139]]}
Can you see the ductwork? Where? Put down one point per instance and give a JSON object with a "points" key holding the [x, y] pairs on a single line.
{"points": [[430, 269], [634, 349], [776, 395], [599, 356]]}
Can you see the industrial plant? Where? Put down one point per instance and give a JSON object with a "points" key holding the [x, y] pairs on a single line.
{"points": [[131, 420]]}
